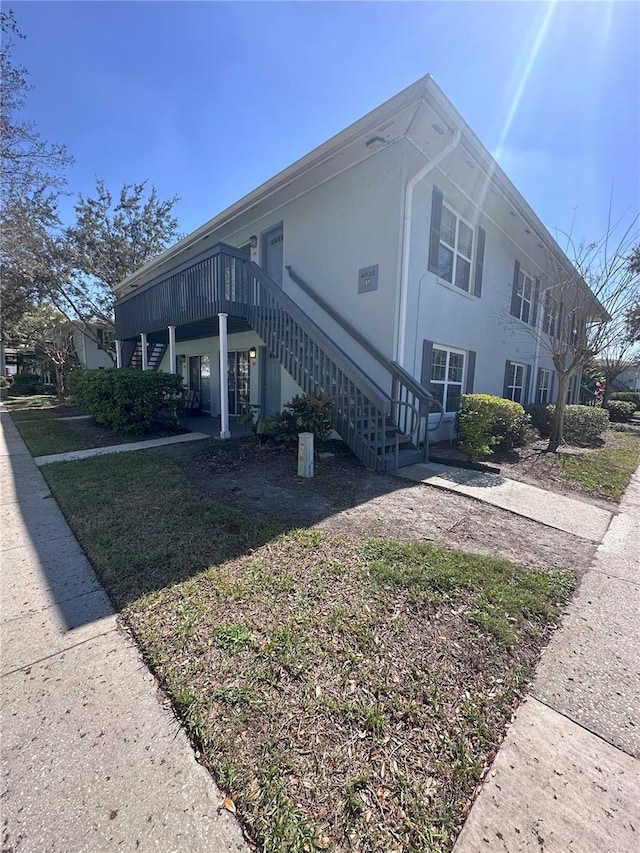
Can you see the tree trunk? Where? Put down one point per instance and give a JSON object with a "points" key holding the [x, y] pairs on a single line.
{"points": [[557, 422], [59, 383]]}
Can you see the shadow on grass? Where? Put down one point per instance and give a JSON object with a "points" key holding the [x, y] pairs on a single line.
{"points": [[142, 524]]}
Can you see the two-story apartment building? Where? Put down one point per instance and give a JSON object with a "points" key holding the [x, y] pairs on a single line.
{"points": [[394, 268]]}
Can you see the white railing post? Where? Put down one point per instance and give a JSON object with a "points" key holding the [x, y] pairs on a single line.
{"points": [[118, 353], [172, 349], [224, 400], [145, 353]]}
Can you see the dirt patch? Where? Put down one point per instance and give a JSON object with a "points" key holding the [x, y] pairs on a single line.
{"points": [[348, 500]]}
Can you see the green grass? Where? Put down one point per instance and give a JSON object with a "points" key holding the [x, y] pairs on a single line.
{"points": [[143, 525], [346, 696], [604, 472], [45, 435]]}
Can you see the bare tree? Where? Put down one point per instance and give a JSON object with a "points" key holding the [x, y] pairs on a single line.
{"points": [[585, 298], [47, 330]]}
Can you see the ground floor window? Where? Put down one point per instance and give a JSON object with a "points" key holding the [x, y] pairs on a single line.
{"points": [[238, 376], [515, 382], [447, 374], [544, 386], [573, 386]]}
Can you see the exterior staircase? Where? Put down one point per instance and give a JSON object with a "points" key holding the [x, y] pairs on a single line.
{"points": [[155, 352], [385, 430]]}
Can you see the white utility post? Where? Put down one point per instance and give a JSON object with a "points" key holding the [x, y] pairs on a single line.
{"points": [[305, 454], [172, 349], [118, 353], [224, 400], [145, 354]]}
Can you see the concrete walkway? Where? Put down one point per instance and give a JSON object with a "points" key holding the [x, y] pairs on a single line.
{"points": [[573, 516], [119, 448], [567, 778], [91, 758]]}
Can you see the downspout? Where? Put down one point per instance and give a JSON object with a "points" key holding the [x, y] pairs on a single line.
{"points": [[406, 240]]}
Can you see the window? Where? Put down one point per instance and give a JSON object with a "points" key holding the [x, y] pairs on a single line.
{"points": [[524, 296], [447, 372], [456, 249], [543, 390], [550, 317], [515, 382], [453, 243]]}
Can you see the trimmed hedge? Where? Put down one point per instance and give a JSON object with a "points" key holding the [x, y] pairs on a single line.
{"points": [[583, 425], [25, 385], [129, 401], [620, 411], [627, 397], [486, 422]]}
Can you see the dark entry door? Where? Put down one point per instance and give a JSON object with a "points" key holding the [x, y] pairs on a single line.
{"points": [[274, 254]]}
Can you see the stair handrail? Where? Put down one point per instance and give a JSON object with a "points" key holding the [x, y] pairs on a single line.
{"points": [[416, 425], [418, 390], [346, 364]]}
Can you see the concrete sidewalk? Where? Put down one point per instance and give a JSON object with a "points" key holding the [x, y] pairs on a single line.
{"points": [[573, 516], [91, 758], [145, 444], [567, 777]]}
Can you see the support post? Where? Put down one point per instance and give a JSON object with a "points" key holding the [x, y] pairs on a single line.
{"points": [[172, 349], [305, 454], [118, 353], [145, 352], [224, 400]]}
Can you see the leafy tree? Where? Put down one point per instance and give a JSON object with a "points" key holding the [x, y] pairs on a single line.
{"points": [[30, 164], [111, 239]]}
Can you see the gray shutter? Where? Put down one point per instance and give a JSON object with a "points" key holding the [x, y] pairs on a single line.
{"points": [[536, 298], [527, 386], [436, 218], [537, 389], [505, 386], [425, 374], [477, 281], [514, 291], [471, 369]]}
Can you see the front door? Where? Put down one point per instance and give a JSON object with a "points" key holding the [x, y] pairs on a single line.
{"points": [[238, 382], [200, 379], [273, 245]]}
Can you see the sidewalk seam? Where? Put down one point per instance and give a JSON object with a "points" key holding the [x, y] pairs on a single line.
{"points": [[57, 654], [584, 728]]}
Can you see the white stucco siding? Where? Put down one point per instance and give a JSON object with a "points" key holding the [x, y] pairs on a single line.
{"points": [[440, 312], [90, 355]]}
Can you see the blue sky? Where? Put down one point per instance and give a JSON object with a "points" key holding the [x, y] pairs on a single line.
{"points": [[207, 100]]}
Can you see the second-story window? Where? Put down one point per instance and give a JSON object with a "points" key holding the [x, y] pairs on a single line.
{"points": [[550, 318], [456, 250], [524, 296]]}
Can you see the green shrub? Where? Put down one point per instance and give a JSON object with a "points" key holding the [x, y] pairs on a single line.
{"points": [[541, 415], [306, 413], [26, 384], [129, 401], [583, 425], [627, 397], [486, 422], [620, 411]]}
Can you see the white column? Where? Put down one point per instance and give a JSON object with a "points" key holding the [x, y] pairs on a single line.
{"points": [[172, 349], [224, 400], [145, 352], [118, 353]]}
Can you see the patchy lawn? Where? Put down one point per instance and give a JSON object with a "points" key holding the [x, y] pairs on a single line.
{"points": [[346, 695], [603, 472]]}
